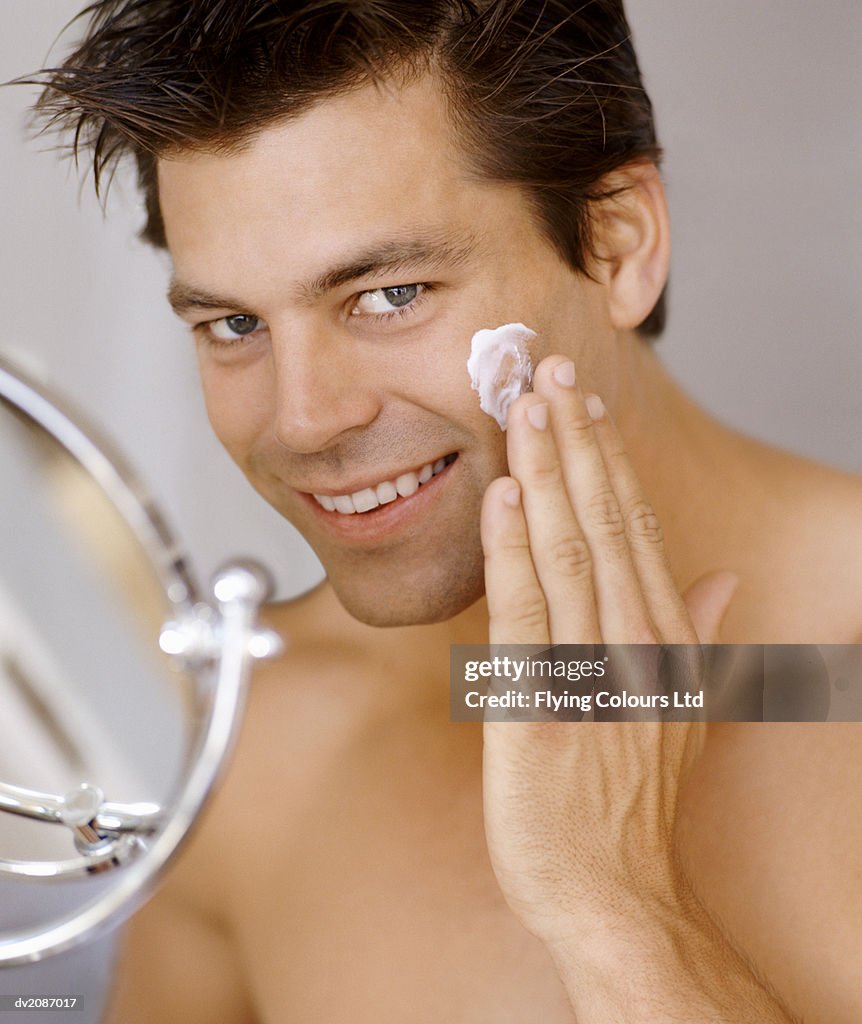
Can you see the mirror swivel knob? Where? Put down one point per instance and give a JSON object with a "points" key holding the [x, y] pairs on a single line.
{"points": [[244, 581]]}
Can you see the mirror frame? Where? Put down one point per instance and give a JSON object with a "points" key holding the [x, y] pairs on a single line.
{"points": [[219, 667]]}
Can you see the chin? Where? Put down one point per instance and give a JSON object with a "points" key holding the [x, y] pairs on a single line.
{"points": [[406, 604]]}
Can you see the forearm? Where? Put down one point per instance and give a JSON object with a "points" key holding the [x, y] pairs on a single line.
{"points": [[668, 966]]}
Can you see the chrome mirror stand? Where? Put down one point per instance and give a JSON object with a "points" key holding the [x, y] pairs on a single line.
{"points": [[214, 641], [222, 654]]}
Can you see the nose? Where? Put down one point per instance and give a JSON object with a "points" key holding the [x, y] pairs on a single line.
{"points": [[321, 390]]}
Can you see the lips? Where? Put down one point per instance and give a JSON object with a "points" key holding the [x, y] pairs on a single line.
{"points": [[384, 492]]}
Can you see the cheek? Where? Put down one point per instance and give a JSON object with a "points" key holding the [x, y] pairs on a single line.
{"points": [[442, 385], [426, 367], [439, 380], [237, 403], [428, 392]]}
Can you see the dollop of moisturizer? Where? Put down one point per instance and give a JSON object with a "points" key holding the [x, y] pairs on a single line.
{"points": [[500, 368]]}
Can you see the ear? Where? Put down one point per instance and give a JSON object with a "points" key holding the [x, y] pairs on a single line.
{"points": [[632, 241]]}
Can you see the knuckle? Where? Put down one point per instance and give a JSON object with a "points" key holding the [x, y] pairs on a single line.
{"points": [[534, 618], [604, 514], [579, 433], [524, 609], [570, 556], [619, 457], [516, 545], [547, 475], [644, 525]]}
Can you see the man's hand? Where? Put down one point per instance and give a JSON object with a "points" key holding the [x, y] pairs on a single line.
{"points": [[580, 817]]}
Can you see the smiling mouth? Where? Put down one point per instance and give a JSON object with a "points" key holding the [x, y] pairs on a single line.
{"points": [[387, 491]]}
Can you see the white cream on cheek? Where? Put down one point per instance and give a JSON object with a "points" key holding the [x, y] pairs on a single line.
{"points": [[500, 368]]}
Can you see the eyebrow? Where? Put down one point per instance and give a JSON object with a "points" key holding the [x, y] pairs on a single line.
{"points": [[390, 256]]}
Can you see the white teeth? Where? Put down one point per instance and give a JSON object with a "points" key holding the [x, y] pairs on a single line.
{"points": [[407, 484], [344, 504], [366, 500], [386, 491]]}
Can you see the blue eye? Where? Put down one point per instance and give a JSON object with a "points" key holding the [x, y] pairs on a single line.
{"points": [[401, 295], [387, 300], [230, 328]]}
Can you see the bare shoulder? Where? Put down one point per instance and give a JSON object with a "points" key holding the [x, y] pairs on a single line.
{"points": [[825, 502], [826, 531], [807, 545]]}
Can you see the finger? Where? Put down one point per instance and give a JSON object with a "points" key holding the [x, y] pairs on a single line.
{"points": [[707, 601], [646, 543], [622, 608], [559, 549], [516, 605]]}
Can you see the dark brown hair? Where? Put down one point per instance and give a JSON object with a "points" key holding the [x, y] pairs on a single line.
{"points": [[546, 94]]}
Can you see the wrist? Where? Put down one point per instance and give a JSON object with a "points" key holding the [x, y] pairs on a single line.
{"points": [[660, 960]]}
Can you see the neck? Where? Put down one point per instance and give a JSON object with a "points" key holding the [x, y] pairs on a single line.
{"points": [[693, 469]]}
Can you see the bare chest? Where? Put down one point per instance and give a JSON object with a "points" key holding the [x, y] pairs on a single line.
{"points": [[361, 947], [388, 910]]}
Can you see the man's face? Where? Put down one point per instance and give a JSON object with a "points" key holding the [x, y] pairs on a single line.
{"points": [[335, 271]]}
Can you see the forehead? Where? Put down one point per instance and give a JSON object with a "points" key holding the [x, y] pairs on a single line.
{"points": [[378, 162]]}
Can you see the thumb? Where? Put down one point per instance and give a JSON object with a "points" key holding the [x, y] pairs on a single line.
{"points": [[707, 601]]}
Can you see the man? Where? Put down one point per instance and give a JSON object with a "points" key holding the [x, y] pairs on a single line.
{"points": [[348, 192]]}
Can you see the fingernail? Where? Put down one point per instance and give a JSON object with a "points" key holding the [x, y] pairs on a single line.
{"points": [[538, 415], [512, 497], [595, 407], [564, 374]]}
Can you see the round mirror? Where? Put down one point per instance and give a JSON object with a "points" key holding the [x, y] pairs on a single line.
{"points": [[119, 687]]}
